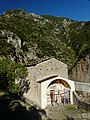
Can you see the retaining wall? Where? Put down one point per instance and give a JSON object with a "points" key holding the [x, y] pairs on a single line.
{"points": [[85, 87]]}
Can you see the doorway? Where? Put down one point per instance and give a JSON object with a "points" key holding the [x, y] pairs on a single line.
{"points": [[52, 96]]}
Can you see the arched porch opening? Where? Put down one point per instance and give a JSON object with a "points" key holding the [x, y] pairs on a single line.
{"points": [[58, 91], [60, 81], [59, 87]]}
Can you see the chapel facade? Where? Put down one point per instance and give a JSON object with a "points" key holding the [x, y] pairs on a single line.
{"points": [[49, 84]]}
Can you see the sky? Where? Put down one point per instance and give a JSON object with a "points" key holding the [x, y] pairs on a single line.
{"points": [[74, 9]]}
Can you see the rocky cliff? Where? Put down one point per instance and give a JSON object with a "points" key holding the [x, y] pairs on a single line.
{"points": [[81, 71]]}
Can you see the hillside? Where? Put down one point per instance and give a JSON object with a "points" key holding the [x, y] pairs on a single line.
{"points": [[30, 38]]}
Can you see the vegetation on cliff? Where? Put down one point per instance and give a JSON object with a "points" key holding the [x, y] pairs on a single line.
{"points": [[46, 36], [27, 38]]}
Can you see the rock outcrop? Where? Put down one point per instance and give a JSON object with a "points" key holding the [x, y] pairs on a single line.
{"points": [[81, 71]]}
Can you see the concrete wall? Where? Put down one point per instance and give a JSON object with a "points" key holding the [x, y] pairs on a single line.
{"points": [[85, 87]]}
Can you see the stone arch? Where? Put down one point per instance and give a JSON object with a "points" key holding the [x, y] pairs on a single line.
{"points": [[60, 81]]}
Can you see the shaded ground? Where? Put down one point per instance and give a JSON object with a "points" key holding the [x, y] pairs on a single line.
{"points": [[12, 109]]}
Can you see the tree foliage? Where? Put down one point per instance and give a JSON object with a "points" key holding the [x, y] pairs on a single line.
{"points": [[5, 47], [10, 72]]}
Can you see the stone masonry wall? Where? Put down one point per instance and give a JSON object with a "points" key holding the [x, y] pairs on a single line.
{"points": [[43, 70], [48, 68]]}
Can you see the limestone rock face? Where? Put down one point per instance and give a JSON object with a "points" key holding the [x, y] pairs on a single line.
{"points": [[14, 40], [81, 71], [18, 53], [11, 38]]}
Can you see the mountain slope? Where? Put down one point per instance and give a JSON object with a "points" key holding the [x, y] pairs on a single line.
{"points": [[29, 38]]}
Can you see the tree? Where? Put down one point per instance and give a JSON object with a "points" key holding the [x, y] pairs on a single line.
{"points": [[12, 76]]}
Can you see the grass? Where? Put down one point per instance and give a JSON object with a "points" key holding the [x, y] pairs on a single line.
{"points": [[72, 108]]}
